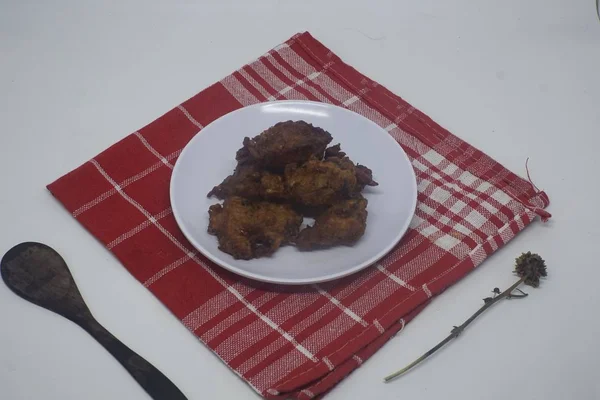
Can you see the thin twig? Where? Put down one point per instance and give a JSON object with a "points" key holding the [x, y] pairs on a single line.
{"points": [[516, 296], [457, 330]]}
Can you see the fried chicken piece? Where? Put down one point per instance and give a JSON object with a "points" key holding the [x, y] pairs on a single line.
{"points": [[249, 230], [364, 176], [252, 182], [284, 143], [334, 151], [342, 224], [320, 183]]}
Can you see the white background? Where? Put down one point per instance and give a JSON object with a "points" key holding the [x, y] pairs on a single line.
{"points": [[514, 78]]}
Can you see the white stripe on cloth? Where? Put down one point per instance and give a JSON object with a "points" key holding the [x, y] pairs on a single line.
{"points": [[280, 314], [208, 310], [238, 91], [250, 335], [297, 83], [308, 72], [231, 319], [241, 298], [262, 354], [189, 116], [378, 325], [329, 364], [138, 228], [254, 83], [358, 360], [123, 184], [363, 303], [350, 101], [395, 278], [153, 150], [426, 290], [288, 362], [281, 46], [390, 127], [342, 307], [308, 393], [339, 93], [299, 65], [477, 255], [272, 80], [169, 268], [380, 292], [417, 263], [327, 333], [235, 371]]}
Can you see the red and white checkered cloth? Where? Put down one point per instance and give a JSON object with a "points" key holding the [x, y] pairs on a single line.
{"points": [[298, 342]]}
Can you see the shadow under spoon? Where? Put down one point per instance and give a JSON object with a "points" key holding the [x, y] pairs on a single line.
{"points": [[39, 274]]}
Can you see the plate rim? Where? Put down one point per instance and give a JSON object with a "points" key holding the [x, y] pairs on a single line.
{"points": [[287, 281]]}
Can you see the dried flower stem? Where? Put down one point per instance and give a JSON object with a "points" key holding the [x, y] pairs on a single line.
{"points": [[457, 330]]}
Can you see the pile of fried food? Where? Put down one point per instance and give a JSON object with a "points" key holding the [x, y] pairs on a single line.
{"points": [[282, 175]]}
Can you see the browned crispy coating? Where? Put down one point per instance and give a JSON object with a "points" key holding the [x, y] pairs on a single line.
{"points": [[252, 182], [342, 224], [334, 151], [284, 143], [319, 183], [364, 175], [249, 230]]}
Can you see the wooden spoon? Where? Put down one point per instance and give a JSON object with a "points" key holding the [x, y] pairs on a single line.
{"points": [[39, 274]]}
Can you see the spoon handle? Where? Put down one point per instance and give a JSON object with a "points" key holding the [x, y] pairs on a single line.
{"points": [[154, 382]]}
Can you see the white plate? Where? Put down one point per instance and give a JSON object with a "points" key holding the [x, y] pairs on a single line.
{"points": [[210, 156]]}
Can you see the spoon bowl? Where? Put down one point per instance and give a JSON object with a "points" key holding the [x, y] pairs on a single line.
{"points": [[38, 274]]}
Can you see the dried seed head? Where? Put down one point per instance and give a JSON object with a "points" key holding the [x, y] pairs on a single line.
{"points": [[531, 267]]}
